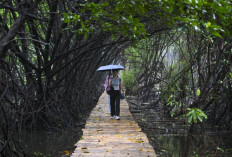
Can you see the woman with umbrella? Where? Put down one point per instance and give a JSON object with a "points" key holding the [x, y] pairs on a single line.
{"points": [[115, 82]]}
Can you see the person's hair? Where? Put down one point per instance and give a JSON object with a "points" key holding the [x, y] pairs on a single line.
{"points": [[115, 73]]}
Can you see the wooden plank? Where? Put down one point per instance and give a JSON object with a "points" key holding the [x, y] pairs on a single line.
{"points": [[103, 136]]}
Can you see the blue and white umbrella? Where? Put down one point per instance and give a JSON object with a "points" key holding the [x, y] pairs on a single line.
{"points": [[110, 67]]}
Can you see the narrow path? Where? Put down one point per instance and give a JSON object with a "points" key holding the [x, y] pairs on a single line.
{"points": [[103, 136]]}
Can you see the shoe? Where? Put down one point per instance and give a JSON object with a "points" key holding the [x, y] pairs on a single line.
{"points": [[112, 117], [117, 117]]}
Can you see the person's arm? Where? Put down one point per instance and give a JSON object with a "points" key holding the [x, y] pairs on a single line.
{"points": [[120, 88], [110, 82]]}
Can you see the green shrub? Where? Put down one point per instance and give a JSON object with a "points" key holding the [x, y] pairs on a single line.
{"points": [[129, 81]]}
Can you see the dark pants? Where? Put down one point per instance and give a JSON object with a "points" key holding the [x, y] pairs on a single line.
{"points": [[115, 103]]}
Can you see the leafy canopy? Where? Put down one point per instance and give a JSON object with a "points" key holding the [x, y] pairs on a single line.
{"points": [[132, 18]]}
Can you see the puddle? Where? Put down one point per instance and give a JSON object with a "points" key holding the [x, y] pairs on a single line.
{"points": [[48, 144]]}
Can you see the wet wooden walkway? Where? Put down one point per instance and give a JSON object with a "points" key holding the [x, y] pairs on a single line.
{"points": [[103, 136]]}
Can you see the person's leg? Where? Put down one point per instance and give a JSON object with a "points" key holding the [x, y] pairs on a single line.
{"points": [[117, 103], [109, 103], [112, 104]]}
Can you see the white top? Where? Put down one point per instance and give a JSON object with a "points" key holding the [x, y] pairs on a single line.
{"points": [[116, 82]]}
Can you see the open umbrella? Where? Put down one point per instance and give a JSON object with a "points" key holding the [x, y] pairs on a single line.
{"points": [[110, 67]]}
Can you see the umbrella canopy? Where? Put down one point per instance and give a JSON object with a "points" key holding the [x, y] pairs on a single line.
{"points": [[110, 67]]}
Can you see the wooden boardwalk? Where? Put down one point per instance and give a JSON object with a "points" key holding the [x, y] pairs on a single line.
{"points": [[103, 136]]}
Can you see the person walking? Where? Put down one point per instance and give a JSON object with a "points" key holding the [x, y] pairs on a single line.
{"points": [[115, 82]]}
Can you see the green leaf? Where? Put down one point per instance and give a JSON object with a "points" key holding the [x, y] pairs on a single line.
{"points": [[194, 118], [190, 119], [223, 10], [204, 115], [85, 35], [105, 4], [198, 92], [230, 75], [172, 114], [135, 28], [200, 118], [65, 14], [66, 20], [215, 26], [220, 149], [216, 34], [170, 9], [208, 24]]}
